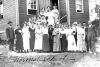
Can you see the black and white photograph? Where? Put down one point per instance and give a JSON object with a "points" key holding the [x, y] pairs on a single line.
{"points": [[49, 33]]}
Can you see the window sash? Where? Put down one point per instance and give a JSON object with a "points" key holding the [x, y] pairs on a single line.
{"points": [[32, 4], [79, 6]]}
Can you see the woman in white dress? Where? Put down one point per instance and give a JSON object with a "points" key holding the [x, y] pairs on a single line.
{"points": [[26, 37], [56, 14], [42, 12], [71, 40], [50, 16], [80, 39], [38, 38]]}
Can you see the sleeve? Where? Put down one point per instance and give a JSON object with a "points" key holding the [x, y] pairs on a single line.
{"points": [[54, 32]]}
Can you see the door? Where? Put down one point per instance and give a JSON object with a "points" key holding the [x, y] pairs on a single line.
{"points": [[63, 11], [43, 4]]}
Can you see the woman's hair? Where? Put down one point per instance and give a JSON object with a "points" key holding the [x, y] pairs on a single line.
{"points": [[43, 8]]}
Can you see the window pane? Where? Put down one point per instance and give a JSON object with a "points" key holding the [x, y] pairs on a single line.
{"points": [[79, 7], [1, 10], [79, 2], [34, 2], [34, 6]]}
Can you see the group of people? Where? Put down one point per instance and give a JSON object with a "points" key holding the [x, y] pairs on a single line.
{"points": [[46, 34]]}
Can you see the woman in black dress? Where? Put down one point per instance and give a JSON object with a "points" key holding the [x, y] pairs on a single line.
{"points": [[63, 39], [19, 40], [32, 34], [50, 32], [32, 38]]}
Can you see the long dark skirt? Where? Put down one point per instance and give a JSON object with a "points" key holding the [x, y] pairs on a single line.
{"points": [[64, 43], [32, 39], [51, 43], [46, 46], [19, 42]]}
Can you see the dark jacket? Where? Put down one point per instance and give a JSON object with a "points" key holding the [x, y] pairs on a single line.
{"points": [[91, 33], [10, 33]]}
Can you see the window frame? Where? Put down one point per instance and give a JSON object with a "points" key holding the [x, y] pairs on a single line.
{"points": [[31, 8], [2, 10], [80, 5]]}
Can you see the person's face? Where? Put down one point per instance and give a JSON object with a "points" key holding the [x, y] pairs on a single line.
{"points": [[54, 7], [18, 26], [79, 25], [50, 26], [43, 9], [45, 25], [84, 24], [11, 24], [29, 19], [42, 17], [48, 9], [25, 25], [57, 26]]}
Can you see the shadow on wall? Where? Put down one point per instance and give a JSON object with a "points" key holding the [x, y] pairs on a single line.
{"points": [[3, 35], [3, 38]]}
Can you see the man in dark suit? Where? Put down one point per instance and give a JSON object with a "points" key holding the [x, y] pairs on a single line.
{"points": [[10, 36], [91, 38], [50, 31]]}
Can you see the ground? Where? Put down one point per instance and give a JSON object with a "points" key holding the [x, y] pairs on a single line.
{"points": [[66, 59]]}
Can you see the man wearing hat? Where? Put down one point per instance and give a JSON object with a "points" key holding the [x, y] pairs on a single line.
{"points": [[91, 37], [10, 35]]}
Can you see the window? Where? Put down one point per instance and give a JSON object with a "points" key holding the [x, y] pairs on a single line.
{"points": [[79, 6], [1, 10], [32, 6]]}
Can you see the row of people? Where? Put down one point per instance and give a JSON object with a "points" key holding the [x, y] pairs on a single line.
{"points": [[42, 37]]}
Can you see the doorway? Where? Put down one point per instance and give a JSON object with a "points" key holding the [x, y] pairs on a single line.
{"points": [[54, 2]]}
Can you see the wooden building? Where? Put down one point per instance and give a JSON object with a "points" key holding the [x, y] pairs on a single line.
{"points": [[18, 11], [70, 10]]}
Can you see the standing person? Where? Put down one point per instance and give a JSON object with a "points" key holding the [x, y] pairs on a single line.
{"points": [[71, 40], [56, 14], [50, 32], [50, 16], [80, 38], [10, 35], [56, 43], [32, 36], [19, 39], [26, 37], [43, 19], [63, 39], [75, 31], [91, 37], [46, 46], [42, 12], [38, 38]]}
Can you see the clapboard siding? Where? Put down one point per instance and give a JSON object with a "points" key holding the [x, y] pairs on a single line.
{"points": [[9, 14], [79, 17], [62, 9], [22, 12], [23, 9]]}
